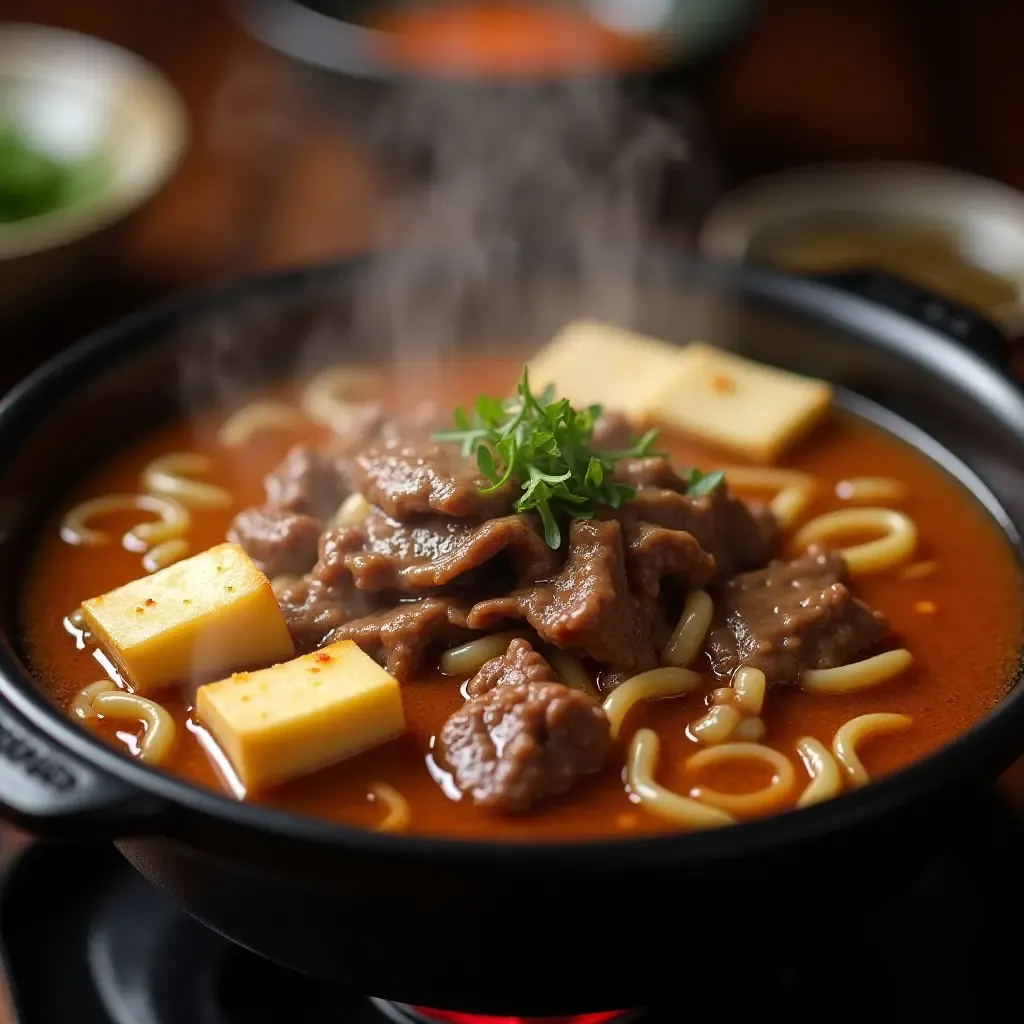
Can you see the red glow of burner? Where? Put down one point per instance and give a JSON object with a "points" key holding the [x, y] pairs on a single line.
{"points": [[453, 1017]]}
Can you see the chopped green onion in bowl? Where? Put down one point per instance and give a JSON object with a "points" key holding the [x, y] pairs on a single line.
{"points": [[34, 183]]}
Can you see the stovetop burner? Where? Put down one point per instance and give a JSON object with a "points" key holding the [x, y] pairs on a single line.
{"points": [[401, 1013], [87, 941]]}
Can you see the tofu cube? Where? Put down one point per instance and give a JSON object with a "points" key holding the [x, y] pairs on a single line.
{"points": [[753, 410], [594, 363], [193, 621], [292, 719]]}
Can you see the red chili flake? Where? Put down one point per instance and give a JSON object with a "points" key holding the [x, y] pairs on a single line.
{"points": [[313, 668], [149, 602], [723, 384], [325, 658]]}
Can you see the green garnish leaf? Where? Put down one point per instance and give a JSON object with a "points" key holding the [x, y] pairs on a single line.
{"points": [[544, 446], [699, 483]]}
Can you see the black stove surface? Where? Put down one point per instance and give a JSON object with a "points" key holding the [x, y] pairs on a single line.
{"points": [[87, 941]]}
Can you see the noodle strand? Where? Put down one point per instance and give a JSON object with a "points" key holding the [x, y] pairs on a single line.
{"points": [[794, 490], [571, 671], [662, 802], [256, 417], [174, 520], [761, 801], [398, 813], [749, 685], [826, 780], [658, 682], [688, 637], [470, 657], [750, 730], [871, 488], [165, 554], [861, 675], [353, 511], [324, 397], [854, 732], [156, 742], [81, 707], [170, 476], [896, 545], [717, 725]]}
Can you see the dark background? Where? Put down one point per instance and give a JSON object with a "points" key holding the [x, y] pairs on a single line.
{"points": [[272, 179]]}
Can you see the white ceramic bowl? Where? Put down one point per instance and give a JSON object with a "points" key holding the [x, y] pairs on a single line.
{"points": [[73, 95], [984, 218]]}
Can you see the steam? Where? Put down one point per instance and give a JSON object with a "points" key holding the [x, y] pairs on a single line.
{"points": [[514, 179], [517, 199]]}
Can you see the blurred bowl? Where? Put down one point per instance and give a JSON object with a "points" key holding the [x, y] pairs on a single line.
{"points": [[76, 98], [955, 234], [496, 40]]}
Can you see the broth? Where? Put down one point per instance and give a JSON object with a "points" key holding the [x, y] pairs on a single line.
{"points": [[507, 39], [961, 622]]}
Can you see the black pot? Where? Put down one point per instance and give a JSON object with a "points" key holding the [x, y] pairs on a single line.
{"points": [[486, 926]]}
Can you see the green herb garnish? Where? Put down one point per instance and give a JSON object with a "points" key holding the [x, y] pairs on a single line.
{"points": [[544, 446], [698, 483]]}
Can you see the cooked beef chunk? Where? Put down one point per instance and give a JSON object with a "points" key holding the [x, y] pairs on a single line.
{"points": [[408, 477], [402, 634], [612, 433], [312, 609], [789, 617], [651, 471], [587, 606], [278, 541], [308, 481], [771, 534], [432, 551], [520, 744], [519, 664], [724, 526], [652, 553]]}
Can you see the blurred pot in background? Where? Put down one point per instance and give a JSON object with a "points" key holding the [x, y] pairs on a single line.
{"points": [[493, 39], [88, 134], [443, 90], [954, 234]]}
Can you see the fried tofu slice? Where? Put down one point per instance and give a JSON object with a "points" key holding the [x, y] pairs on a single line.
{"points": [[192, 621], [753, 410], [289, 720], [593, 363]]}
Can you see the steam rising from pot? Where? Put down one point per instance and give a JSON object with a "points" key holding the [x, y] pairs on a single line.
{"points": [[535, 196], [513, 180]]}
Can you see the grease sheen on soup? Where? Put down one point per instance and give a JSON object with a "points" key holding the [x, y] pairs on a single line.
{"points": [[955, 606]]}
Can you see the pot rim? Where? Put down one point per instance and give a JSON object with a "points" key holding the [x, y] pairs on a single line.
{"points": [[990, 740]]}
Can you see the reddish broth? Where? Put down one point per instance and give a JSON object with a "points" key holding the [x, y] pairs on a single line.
{"points": [[506, 39], [962, 624]]}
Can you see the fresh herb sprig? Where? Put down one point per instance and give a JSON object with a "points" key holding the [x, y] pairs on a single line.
{"points": [[543, 445]]}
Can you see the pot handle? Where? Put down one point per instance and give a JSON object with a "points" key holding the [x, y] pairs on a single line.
{"points": [[956, 322], [49, 791]]}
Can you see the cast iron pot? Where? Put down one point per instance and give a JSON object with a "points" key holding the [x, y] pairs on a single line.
{"points": [[498, 927]]}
